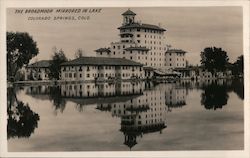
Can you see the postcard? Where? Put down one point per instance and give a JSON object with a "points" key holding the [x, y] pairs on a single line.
{"points": [[125, 79]]}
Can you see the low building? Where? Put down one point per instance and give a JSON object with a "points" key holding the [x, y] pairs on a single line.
{"points": [[100, 68], [38, 70], [205, 74]]}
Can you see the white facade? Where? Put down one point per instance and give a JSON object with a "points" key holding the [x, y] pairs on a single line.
{"points": [[142, 43], [175, 58], [38, 70], [89, 73]]}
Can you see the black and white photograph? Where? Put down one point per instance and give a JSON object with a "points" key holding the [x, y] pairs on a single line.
{"points": [[126, 79]]}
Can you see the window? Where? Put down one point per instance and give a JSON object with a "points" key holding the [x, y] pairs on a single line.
{"points": [[131, 57], [114, 47], [114, 52], [138, 35], [138, 30], [138, 41], [80, 69], [88, 68], [88, 75], [80, 75]]}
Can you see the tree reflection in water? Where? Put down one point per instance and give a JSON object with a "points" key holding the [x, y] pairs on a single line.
{"points": [[22, 121], [55, 96], [238, 87], [214, 96]]}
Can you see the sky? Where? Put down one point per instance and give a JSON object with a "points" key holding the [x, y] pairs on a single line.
{"points": [[188, 28]]}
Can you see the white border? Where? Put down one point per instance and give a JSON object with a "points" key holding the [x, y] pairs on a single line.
{"points": [[125, 3]]}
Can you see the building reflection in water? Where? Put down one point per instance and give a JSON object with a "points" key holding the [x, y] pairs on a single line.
{"points": [[47, 92], [141, 106]]}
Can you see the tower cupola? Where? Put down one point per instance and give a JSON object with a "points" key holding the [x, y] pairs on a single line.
{"points": [[128, 17]]}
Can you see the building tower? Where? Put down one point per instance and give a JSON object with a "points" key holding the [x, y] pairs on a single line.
{"points": [[143, 43], [128, 17]]}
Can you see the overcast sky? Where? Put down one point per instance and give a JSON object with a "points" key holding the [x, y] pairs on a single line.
{"points": [[188, 28]]}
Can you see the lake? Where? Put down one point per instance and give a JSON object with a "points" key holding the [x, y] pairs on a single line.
{"points": [[124, 116]]}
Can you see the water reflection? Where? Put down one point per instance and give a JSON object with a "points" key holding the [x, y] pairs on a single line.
{"points": [[215, 92], [22, 121], [214, 96], [141, 107]]}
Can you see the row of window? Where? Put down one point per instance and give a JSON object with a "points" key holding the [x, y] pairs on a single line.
{"points": [[102, 68], [73, 75], [152, 42], [177, 59], [139, 52], [142, 30], [170, 64], [178, 54], [153, 37], [69, 87]]}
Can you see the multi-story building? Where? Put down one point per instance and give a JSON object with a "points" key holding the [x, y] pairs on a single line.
{"points": [[175, 58], [38, 70], [144, 43], [99, 68]]}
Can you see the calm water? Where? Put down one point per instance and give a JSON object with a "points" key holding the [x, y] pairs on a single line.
{"points": [[127, 116]]}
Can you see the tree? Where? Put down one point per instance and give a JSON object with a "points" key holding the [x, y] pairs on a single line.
{"points": [[21, 48], [78, 53], [57, 59], [214, 59]]}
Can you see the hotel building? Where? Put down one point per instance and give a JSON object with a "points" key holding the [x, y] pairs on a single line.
{"points": [[144, 43], [38, 70], [99, 68]]}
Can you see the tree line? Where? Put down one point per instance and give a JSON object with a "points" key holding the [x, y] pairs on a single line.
{"points": [[215, 59]]}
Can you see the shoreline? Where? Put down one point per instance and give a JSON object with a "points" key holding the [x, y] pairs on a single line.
{"points": [[57, 82]]}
